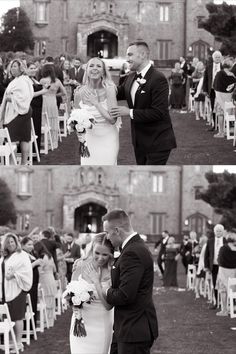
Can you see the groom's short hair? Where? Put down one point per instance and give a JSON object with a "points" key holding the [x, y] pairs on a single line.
{"points": [[141, 44], [119, 218]]}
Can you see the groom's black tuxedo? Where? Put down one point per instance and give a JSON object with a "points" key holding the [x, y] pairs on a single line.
{"points": [[151, 126], [131, 294]]}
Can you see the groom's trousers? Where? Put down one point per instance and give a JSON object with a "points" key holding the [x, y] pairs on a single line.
{"points": [[131, 348], [152, 158]]}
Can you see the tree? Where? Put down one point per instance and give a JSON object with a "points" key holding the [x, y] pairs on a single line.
{"points": [[16, 34], [221, 23], [7, 208], [221, 195]]}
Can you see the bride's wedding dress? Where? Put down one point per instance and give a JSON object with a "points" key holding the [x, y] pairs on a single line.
{"points": [[98, 324], [102, 140]]}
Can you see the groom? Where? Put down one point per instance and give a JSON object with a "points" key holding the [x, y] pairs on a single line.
{"points": [[135, 321], [146, 91]]}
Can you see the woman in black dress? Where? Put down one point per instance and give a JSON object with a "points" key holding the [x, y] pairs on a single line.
{"points": [[171, 257], [37, 101], [28, 246]]}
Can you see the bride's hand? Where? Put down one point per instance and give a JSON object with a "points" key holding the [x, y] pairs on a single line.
{"points": [[90, 97], [92, 274]]}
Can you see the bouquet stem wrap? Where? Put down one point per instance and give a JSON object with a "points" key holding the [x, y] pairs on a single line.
{"points": [[79, 327], [83, 148]]}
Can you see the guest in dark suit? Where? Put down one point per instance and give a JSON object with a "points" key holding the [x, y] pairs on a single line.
{"points": [[71, 252], [146, 91], [135, 321], [161, 255], [212, 69], [50, 244], [211, 255], [77, 71]]}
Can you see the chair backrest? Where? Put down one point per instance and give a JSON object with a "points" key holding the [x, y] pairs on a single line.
{"points": [[45, 120], [229, 108], [232, 284], [4, 311], [28, 302], [4, 135]]}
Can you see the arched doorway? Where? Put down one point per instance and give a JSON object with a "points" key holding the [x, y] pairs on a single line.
{"points": [[102, 44], [200, 50], [88, 218], [197, 222]]}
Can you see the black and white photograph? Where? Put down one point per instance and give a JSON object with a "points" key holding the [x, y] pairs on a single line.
{"points": [[117, 176]]}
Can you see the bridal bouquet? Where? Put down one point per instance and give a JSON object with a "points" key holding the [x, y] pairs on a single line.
{"points": [[80, 120], [76, 294]]}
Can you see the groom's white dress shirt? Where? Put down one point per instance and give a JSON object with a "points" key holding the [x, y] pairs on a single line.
{"points": [[135, 85]]}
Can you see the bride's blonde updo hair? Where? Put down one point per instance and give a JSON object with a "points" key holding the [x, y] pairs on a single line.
{"points": [[106, 77], [100, 239]]}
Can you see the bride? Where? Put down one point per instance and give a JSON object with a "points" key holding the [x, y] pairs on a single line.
{"points": [[98, 96], [97, 316]]}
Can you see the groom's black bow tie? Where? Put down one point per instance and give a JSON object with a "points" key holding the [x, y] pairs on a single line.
{"points": [[137, 76]]}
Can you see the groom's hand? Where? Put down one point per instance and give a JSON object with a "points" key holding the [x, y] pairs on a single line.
{"points": [[116, 112]]}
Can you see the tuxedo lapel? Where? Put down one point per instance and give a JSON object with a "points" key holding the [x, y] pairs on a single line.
{"points": [[142, 87], [130, 81]]}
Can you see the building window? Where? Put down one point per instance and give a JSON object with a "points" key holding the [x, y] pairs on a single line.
{"points": [[163, 49], [157, 183], [40, 47], [24, 184], [65, 10], [94, 6], [158, 221], [199, 21], [41, 12], [50, 181], [23, 221], [111, 8], [197, 192], [65, 44], [164, 13], [100, 176], [50, 218]]}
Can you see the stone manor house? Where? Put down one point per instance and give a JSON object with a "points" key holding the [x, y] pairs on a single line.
{"points": [[76, 198], [89, 27]]}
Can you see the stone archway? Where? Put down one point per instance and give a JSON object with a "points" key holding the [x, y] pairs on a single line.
{"points": [[88, 218], [103, 44]]}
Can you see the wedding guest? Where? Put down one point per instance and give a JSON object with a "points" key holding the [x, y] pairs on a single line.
{"points": [[199, 97], [177, 89], [201, 266], [227, 268], [161, 254], [67, 81], [15, 280], [2, 81], [48, 283], [211, 255], [223, 85], [71, 252], [212, 68], [186, 252], [124, 71], [15, 110], [62, 268], [28, 246], [171, 258], [37, 101], [50, 244], [50, 107]]}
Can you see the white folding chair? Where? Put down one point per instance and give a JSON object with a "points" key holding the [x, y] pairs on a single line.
{"points": [[63, 119], [29, 318], [209, 289], [229, 118], [6, 327], [7, 149], [191, 101], [191, 276], [207, 110], [58, 299], [42, 309], [33, 143], [231, 292], [46, 134]]}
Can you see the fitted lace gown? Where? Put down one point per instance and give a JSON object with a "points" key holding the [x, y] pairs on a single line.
{"points": [[98, 324], [102, 140]]}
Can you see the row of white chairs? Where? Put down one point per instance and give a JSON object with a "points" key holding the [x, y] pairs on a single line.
{"points": [[8, 149], [207, 289], [7, 325]]}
